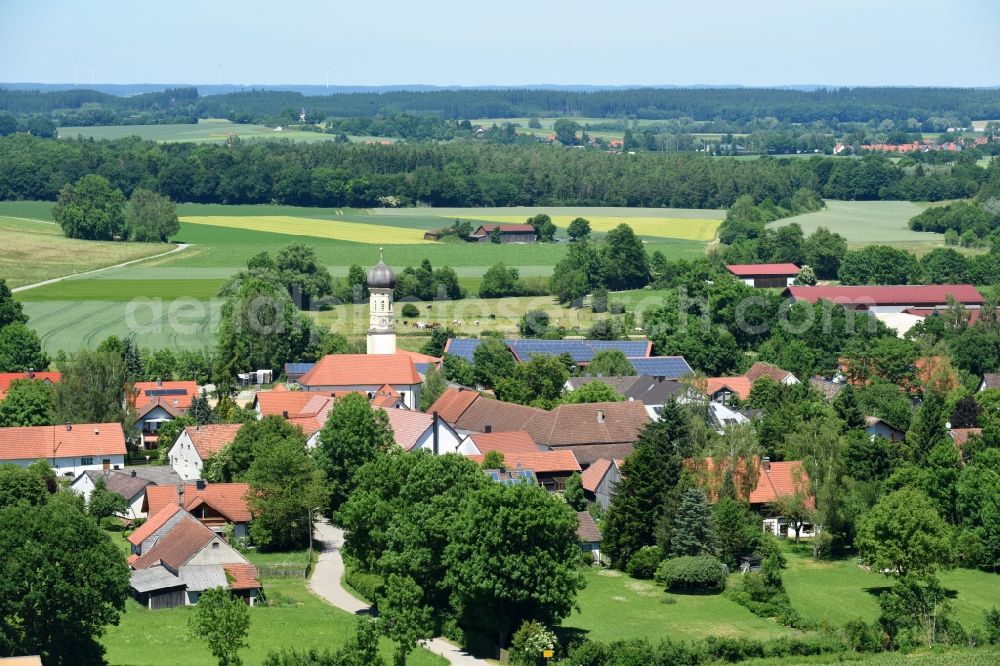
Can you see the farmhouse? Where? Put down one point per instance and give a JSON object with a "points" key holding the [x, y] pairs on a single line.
{"points": [[196, 443], [765, 275], [894, 298], [214, 504], [129, 485], [186, 559], [367, 373], [6, 378], [70, 449], [551, 467], [157, 402], [599, 481], [509, 233]]}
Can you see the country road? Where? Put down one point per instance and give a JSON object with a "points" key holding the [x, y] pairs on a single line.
{"points": [[326, 583], [180, 246]]}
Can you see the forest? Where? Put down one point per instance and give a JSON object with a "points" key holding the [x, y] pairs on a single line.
{"points": [[362, 175]]}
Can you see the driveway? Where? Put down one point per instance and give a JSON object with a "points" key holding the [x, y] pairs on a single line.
{"points": [[326, 582]]}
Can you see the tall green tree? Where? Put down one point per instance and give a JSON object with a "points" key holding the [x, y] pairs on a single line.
{"points": [[223, 622], [610, 363], [824, 250], [104, 503], [573, 493], [10, 310], [403, 616], [92, 389], [648, 476], [693, 530], [20, 349], [151, 217], [500, 281], [594, 391], [512, 556], [91, 209], [578, 229], [903, 535], [62, 582], [19, 485], [233, 461], [353, 435], [301, 271], [28, 403], [493, 362], [624, 264]]}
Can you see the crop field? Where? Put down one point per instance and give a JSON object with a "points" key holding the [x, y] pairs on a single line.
{"points": [[214, 130], [686, 229], [350, 231], [867, 222]]}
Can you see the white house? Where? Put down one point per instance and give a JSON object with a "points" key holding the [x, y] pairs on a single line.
{"points": [[196, 443], [70, 449], [127, 484]]}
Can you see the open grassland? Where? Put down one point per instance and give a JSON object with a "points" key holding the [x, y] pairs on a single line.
{"points": [[614, 606], [32, 210], [350, 231], [868, 222], [840, 591], [212, 130], [34, 251], [300, 620]]}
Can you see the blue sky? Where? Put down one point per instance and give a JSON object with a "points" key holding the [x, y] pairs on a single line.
{"points": [[749, 42]]}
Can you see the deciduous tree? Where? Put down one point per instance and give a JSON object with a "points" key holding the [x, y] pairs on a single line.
{"points": [[223, 622]]}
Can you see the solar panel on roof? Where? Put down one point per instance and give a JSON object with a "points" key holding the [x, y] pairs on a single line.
{"points": [[671, 367], [167, 391], [298, 368], [581, 351]]}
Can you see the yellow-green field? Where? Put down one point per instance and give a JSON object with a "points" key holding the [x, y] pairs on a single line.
{"points": [[661, 227], [34, 250], [353, 232]]}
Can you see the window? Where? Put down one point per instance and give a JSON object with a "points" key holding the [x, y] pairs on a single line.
{"points": [[86, 461], [215, 545]]}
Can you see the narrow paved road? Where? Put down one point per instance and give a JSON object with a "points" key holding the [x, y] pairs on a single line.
{"points": [[180, 246], [326, 582]]}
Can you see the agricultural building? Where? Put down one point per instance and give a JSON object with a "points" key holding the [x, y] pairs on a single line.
{"points": [[765, 275], [893, 298], [509, 233]]}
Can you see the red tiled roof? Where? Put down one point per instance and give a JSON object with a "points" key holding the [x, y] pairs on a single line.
{"points": [[156, 521], [179, 401], [751, 270], [915, 295], [229, 499], [739, 385], [775, 480], [242, 576], [208, 439], [386, 397], [541, 462], [270, 403], [417, 357], [82, 439], [178, 546], [506, 228], [761, 369], [961, 435], [591, 477], [7, 377], [361, 370], [407, 426], [586, 528], [451, 404]]}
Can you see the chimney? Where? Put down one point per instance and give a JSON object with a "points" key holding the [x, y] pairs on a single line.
{"points": [[284, 414], [600, 416], [488, 428], [159, 382], [767, 463], [31, 373], [96, 431], [133, 474], [200, 484], [69, 426], [180, 495]]}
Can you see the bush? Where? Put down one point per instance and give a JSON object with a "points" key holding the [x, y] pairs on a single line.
{"points": [[370, 586], [992, 617], [692, 574], [529, 642], [863, 637], [410, 310], [645, 562]]}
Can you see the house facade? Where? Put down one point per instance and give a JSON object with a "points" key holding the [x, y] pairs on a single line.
{"points": [[215, 505], [509, 233], [196, 444], [158, 402], [127, 484], [599, 481], [70, 449]]}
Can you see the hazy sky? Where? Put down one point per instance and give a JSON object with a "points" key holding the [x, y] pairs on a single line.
{"points": [[372, 42]]}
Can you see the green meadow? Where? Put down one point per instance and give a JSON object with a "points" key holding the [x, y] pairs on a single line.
{"points": [[210, 130], [867, 222]]}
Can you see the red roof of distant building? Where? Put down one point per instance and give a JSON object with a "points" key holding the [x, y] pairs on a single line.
{"points": [[739, 385], [362, 370], [519, 449], [961, 435], [208, 439], [7, 377], [81, 439], [242, 576], [155, 522], [229, 499], [270, 403], [417, 357], [178, 546], [386, 397], [167, 393], [915, 295], [507, 228], [774, 480], [408, 427], [451, 404], [752, 270], [591, 477]]}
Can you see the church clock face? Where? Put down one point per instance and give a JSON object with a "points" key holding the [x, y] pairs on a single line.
{"points": [[383, 321]]}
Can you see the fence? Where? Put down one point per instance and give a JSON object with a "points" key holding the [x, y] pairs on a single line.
{"points": [[282, 570]]}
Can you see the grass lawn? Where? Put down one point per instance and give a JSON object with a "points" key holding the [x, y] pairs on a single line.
{"points": [[34, 251], [208, 130], [614, 606], [300, 620], [841, 591], [32, 210], [867, 222]]}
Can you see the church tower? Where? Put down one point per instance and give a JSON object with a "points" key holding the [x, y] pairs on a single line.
{"points": [[381, 330]]}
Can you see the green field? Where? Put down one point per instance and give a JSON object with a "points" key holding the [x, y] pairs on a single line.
{"points": [[300, 620], [213, 130], [866, 222], [614, 606]]}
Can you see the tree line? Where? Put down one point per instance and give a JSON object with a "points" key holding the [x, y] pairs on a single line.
{"points": [[328, 174]]}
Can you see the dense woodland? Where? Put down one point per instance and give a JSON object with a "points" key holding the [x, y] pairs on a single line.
{"points": [[328, 174]]}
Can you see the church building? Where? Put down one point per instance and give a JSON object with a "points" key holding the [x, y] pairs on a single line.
{"points": [[381, 328]]}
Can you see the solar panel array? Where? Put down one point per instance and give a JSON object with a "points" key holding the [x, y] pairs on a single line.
{"points": [[167, 391], [582, 351], [671, 367], [298, 368]]}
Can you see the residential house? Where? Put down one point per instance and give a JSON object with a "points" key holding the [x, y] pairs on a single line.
{"points": [[765, 275], [725, 390], [158, 402], [588, 534], [509, 233], [367, 373], [599, 481], [294, 371], [990, 381], [889, 298], [876, 427], [829, 389], [130, 486], [6, 378], [196, 443], [70, 449], [590, 430], [653, 392], [760, 370], [551, 467], [961, 435], [214, 504], [187, 559]]}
